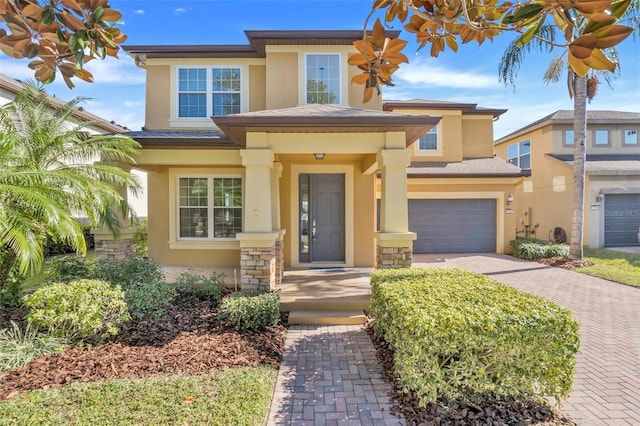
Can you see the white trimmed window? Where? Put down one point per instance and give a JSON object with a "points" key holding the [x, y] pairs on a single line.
{"points": [[519, 154], [429, 141], [203, 92], [601, 137], [568, 137], [209, 207], [630, 137], [323, 78]]}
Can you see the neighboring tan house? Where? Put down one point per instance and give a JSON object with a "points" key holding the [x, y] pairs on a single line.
{"points": [[612, 184], [9, 87], [264, 157]]}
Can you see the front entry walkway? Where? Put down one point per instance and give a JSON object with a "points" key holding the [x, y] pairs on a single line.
{"points": [[607, 385], [329, 376]]}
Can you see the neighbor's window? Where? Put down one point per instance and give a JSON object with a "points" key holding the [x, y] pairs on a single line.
{"points": [[209, 207], [429, 141], [568, 137], [203, 92], [630, 137], [519, 154], [601, 137], [323, 78]]}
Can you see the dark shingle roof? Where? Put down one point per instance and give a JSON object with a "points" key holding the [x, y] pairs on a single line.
{"points": [[176, 139], [474, 167], [466, 108], [614, 164]]}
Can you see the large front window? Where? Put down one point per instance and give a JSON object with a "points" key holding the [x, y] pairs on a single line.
{"points": [[519, 154], [209, 207], [203, 92], [323, 78]]}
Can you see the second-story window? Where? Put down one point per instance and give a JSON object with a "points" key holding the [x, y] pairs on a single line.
{"points": [[601, 137], [203, 92], [519, 154], [630, 137], [323, 78], [568, 137], [429, 141]]}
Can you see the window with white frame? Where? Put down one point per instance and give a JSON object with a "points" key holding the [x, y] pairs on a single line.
{"points": [[429, 141], [519, 154], [630, 137], [601, 137], [209, 207], [203, 92], [323, 78], [568, 137]]}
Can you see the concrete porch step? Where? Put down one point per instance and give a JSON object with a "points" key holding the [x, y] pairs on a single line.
{"points": [[327, 317]]}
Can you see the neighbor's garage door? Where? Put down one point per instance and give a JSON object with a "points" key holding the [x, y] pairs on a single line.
{"points": [[453, 226], [621, 219]]}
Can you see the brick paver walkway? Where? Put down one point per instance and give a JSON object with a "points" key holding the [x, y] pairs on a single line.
{"points": [[607, 384], [329, 376]]}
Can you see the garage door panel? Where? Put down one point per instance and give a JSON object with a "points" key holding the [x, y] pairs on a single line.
{"points": [[621, 220], [453, 226]]}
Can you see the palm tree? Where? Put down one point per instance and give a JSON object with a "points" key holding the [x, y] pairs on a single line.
{"points": [[48, 176], [581, 88]]}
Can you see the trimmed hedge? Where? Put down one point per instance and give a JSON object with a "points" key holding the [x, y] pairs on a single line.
{"points": [[530, 249], [461, 336], [251, 311]]}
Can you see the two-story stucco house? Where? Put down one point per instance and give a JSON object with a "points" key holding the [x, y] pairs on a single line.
{"points": [[612, 184], [264, 157]]}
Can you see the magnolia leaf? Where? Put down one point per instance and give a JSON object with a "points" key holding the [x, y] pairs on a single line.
{"points": [[588, 7], [47, 16], [85, 75], [578, 65], [111, 15], [561, 20], [531, 32], [394, 45], [611, 35], [360, 78], [357, 59], [618, 8], [451, 42], [526, 12], [32, 11], [35, 64], [378, 33], [599, 61], [368, 94], [43, 73], [71, 21], [582, 47], [379, 4], [72, 4], [396, 58]]}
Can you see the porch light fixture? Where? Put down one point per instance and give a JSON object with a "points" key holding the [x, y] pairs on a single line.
{"points": [[319, 155], [599, 196], [509, 199]]}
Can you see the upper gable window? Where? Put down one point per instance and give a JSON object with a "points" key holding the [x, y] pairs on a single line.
{"points": [[630, 137], [323, 78], [429, 141], [519, 154], [203, 92]]}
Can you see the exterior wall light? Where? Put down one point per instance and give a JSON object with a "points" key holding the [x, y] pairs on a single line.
{"points": [[319, 155], [599, 196], [509, 199]]}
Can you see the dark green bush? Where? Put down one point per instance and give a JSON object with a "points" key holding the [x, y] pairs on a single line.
{"points": [[64, 269], [79, 310], [191, 285], [142, 282], [140, 246], [530, 249], [54, 248], [461, 336], [251, 311], [11, 281]]}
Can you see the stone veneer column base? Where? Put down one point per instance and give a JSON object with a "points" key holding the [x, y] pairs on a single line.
{"points": [[113, 249], [279, 261], [393, 257], [258, 268]]}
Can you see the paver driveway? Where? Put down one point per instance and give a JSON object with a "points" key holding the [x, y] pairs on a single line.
{"points": [[607, 386]]}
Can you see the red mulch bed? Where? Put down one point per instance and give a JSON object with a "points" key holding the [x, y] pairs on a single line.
{"points": [[564, 263], [496, 413], [188, 339]]}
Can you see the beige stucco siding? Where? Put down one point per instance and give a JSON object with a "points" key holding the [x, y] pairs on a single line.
{"points": [[476, 131], [157, 110], [356, 93], [257, 87], [282, 80]]}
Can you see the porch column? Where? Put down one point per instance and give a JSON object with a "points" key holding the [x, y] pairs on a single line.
{"points": [[258, 241], [394, 241], [276, 174], [117, 248]]}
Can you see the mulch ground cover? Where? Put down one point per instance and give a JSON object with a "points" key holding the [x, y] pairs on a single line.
{"points": [[564, 263], [495, 413], [188, 340]]}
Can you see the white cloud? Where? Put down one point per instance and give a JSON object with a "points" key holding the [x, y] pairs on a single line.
{"points": [[119, 71], [138, 12], [133, 104], [180, 10], [427, 73]]}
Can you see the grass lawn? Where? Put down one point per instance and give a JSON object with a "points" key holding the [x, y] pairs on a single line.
{"points": [[228, 397], [613, 265]]}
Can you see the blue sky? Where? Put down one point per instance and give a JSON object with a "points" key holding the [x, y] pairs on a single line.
{"points": [[470, 75]]}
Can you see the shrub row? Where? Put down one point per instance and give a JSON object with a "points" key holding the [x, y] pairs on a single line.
{"points": [[461, 336], [530, 249], [251, 311], [53, 248]]}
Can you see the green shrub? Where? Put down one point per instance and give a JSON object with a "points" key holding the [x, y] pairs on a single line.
{"points": [[54, 248], [64, 269], [526, 248], [18, 346], [462, 336], [79, 311], [140, 246], [251, 311], [193, 286], [142, 281], [11, 282]]}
